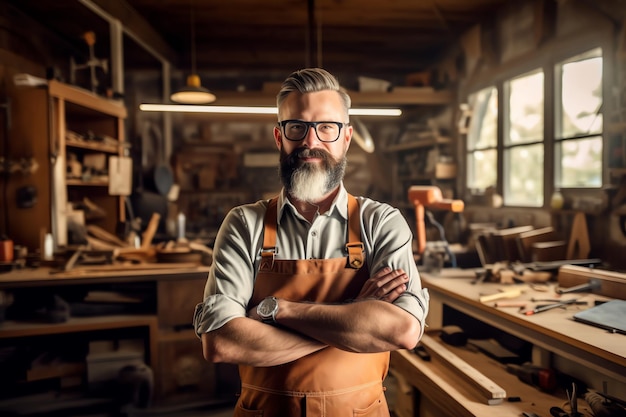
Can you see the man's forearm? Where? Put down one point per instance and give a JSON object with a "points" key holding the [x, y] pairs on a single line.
{"points": [[249, 342], [362, 326]]}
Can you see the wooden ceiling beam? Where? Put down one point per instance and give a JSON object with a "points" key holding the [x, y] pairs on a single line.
{"points": [[135, 25]]}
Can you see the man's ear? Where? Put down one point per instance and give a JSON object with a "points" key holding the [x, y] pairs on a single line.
{"points": [[348, 136], [278, 138]]}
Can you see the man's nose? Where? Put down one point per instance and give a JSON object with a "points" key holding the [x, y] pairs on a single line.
{"points": [[311, 137]]}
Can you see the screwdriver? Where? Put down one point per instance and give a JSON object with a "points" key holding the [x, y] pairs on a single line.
{"points": [[549, 307]]}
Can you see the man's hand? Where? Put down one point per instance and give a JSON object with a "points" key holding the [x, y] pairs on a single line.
{"points": [[385, 285]]}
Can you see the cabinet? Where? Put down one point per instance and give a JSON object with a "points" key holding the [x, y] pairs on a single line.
{"points": [[78, 360], [71, 133]]}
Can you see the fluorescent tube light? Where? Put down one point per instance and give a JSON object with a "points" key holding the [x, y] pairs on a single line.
{"points": [[253, 110]]}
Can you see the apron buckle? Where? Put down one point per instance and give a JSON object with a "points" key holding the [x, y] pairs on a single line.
{"points": [[355, 254], [267, 258]]}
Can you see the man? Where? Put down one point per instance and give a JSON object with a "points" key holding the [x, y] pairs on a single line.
{"points": [[309, 291]]}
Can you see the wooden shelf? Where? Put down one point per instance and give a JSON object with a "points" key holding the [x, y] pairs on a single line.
{"points": [[62, 120], [10, 329], [424, 143], [86, 99], [92, 146], [103, 182]]}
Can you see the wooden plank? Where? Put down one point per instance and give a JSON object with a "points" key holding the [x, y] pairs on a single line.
{"points": [[505, 242], [579, 246], [86, 99], [492, 392], [526, 240], [612, 283]]}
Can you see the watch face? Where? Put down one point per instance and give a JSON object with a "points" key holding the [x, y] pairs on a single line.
{"points": [[266, 307]]}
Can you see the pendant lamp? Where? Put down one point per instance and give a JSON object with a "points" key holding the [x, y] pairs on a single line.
{"points": [[193, 92]]}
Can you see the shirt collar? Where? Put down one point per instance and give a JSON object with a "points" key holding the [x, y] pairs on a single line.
{"points": [[339, 205]]}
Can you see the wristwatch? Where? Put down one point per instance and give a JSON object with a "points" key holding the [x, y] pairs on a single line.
{"points": [[267, 309]]}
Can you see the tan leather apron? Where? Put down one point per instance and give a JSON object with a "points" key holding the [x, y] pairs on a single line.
{"points": [[330, 382]]}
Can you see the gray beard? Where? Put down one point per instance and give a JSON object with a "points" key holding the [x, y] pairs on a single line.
{"points": [[310, 182]]}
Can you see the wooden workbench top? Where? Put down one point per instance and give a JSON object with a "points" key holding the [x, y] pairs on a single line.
{"points": [[110, 273], [549, 329]]}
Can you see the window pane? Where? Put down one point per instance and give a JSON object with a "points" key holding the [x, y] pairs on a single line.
{"points": [[581, 96], [524, 176], [483, 128], [580, 163], [482, 169], [525, 118]]}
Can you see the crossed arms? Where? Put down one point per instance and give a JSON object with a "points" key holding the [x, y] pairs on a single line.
{"points": [[370, 324]]}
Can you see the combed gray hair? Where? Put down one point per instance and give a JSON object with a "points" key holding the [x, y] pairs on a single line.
{"points": [[310, 80]]}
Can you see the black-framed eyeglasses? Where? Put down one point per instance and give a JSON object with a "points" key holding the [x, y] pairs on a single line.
{"points": [[297, 130]]}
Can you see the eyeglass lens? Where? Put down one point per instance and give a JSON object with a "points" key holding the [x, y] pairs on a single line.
{"points": [[325, 131]]}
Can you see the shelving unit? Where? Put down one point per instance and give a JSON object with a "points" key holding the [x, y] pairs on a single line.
{"points": [[65, 128], [420, 161], [155, 330]]}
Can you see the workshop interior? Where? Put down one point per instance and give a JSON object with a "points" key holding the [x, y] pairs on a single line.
{"points": [[130, 128]]}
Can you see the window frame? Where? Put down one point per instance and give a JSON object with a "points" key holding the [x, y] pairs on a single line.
{"points": [[546, 58]]}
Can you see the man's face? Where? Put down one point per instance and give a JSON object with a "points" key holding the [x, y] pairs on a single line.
{"points": [[310, 168]]}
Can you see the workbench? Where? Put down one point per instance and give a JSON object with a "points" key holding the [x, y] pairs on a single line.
{"points": [[162, 320], [555, 336]]}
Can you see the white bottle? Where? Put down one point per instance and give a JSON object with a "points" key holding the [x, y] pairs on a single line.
{"points": [[180, 221], [557, 200], [48, 247]]}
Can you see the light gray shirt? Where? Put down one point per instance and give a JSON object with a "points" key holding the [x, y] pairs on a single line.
{"points": [[386, 237]]}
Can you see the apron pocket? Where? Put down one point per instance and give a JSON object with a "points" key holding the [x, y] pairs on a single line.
{"points": [[242, 412], [377, 409]]}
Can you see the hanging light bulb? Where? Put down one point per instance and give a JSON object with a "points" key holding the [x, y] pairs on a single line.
{"points": [[193, 92]]}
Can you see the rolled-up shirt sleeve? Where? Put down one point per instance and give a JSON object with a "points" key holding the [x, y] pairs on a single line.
{"points": [[389, 242], [231, 278]]}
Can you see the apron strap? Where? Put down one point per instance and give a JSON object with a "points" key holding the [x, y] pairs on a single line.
{"points": [[354, 246], [269, 236]]}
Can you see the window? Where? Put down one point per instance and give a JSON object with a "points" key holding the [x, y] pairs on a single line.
{"points": [[523, 151], [538, 131], [578, 124], [482, 140]]}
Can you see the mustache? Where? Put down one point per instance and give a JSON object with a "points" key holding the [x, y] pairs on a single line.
{"points": [[300, 153]]}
